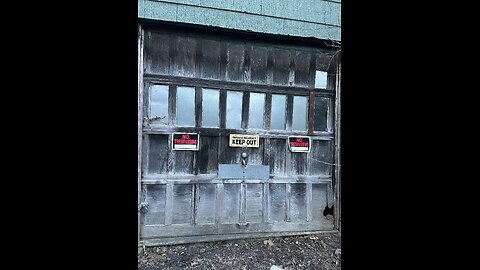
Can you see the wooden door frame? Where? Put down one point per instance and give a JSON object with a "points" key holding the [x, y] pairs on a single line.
{"points": [[140, 123], [247, 88]]}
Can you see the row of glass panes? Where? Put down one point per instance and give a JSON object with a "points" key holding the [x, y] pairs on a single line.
{"points": [[185, 109]]}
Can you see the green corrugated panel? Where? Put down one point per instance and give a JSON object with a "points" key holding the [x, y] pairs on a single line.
{"points": [[187, 14], [307, 18], [157, 11], [330, 12], [274, 25], [251, 6], [213, 17], [308, 10]]}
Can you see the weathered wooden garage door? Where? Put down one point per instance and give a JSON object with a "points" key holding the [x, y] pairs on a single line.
{"points": [[213, 87]]}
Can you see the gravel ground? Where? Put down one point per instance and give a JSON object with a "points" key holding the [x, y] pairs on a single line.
{"points": [[314, 251]]}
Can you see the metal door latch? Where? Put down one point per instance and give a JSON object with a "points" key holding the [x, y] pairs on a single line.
{"points": [[143, 207], [244, 159]]}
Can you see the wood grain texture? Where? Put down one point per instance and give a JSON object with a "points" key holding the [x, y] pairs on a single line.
{"points": [[186, 196]]}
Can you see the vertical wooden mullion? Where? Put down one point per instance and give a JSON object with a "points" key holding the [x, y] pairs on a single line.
{"points": [[145, 158], [169, 204], [309, 158], [145, 99], [289, 112], [223, 107], [329, 194], [337, 177], [267, 116], [144, 197], [288, 160], [172, 102], [266, 151], [198, 123], [221, 147], [140, 108], [219, 194], [288, 154], [198, 106], [194, 204], [219, 188], [266, 202], [170, 157], [172, 112], [288, 196], [245, 109], [331, 115], [243, 200], [311, 113], [265, 192], [195, 162], [309, 196]]}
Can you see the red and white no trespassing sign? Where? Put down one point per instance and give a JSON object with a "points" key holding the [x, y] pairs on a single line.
{"points": [[185, 141], [299, 143]]}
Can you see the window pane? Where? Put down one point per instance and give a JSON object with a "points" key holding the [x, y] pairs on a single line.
{"points": [[256, 112], [159, 104], [186, 106], [321, 110], [278, 112], [299, 121], [234, 109], [320, 79], [210, 108]]}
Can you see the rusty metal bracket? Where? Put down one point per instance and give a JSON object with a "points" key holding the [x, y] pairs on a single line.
{"points": [[143, 207]]}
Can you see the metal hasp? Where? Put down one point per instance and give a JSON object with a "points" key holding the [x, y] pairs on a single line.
{"points": [[244, 159]]}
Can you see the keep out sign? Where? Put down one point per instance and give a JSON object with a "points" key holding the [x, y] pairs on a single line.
{"points": [[185, 141], [243, 140], [299, 143]]}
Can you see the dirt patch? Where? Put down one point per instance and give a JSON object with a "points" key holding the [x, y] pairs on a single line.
{"points": [[315, 251]]}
